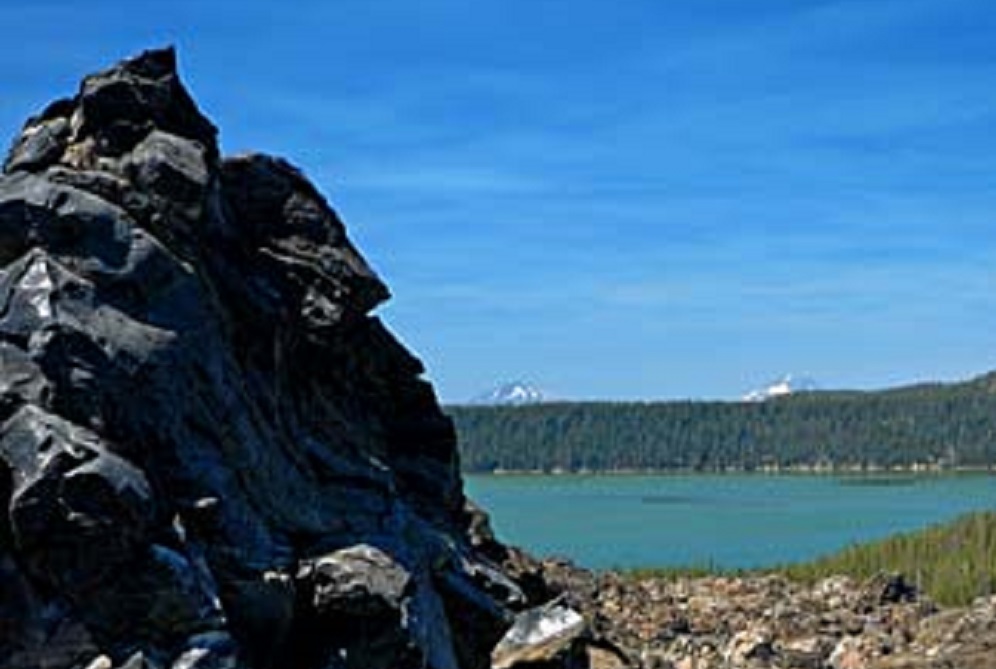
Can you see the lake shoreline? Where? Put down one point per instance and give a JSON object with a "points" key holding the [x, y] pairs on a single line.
{"points": [[816, 471]]}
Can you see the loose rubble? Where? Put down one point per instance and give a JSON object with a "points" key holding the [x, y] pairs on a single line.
{"points": [[756, 622]]}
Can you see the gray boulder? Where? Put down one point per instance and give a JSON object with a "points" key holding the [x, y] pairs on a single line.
{"points": [[545, 637]]}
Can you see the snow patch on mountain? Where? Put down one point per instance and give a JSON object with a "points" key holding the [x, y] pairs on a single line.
{"points": [[787, 385], [514, 393]]}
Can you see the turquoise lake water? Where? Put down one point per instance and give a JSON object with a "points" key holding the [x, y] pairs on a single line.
{"points": [[726, 520]]}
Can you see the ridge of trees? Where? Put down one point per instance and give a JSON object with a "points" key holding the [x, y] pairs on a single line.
{"points": [[929, 425]]}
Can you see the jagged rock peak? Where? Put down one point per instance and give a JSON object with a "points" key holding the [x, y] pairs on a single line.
{"points": [[113, 111], [212, 454]]}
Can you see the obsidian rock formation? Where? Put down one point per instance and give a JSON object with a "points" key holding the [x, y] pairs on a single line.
{"points": [[211, 453]]}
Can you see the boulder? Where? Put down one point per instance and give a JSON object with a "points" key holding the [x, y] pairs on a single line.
{"points": [[360, 597], [212, 453], [547, 636]]}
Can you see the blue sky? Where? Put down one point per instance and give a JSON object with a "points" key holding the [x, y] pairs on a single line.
{"points": [[624, 200]]}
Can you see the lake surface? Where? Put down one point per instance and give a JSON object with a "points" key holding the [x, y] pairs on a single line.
{"points": [[750, 520]]}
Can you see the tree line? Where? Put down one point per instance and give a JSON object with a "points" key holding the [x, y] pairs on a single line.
{"points": [[930, 425]]}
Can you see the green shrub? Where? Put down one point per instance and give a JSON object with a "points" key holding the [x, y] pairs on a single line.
{"points": [[953, 563]]}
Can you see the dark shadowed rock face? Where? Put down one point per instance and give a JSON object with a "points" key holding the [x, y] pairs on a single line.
{"points": [[211, 454]]}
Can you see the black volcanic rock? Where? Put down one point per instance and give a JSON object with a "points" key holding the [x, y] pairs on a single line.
{"points": [[211, 453]]}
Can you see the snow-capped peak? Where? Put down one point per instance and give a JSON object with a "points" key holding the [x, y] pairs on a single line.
{"points": [[784, 386], [512, 393]]}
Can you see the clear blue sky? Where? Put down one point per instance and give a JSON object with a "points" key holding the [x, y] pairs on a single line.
{"points": [[635, 199]]}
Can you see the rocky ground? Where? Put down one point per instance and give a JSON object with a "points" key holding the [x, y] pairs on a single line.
{"points": [[769, 621]]}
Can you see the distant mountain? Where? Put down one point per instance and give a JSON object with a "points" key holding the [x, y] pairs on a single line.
{"points": [[514, 393], [787, 385]]}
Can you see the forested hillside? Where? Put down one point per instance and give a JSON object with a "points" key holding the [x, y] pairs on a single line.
{"points": [[937, 425]]}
